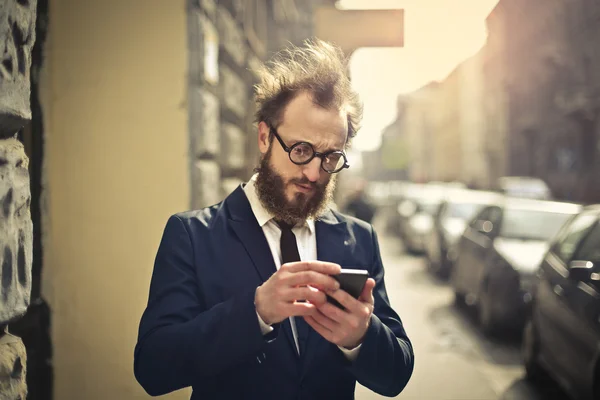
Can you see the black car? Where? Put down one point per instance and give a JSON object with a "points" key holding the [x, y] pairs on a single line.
{"points": [[499, 255], [562, 336], [449, 223]]}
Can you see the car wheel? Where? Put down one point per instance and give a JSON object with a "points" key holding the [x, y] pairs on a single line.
{"points": [[487, 318], [530, 351]]}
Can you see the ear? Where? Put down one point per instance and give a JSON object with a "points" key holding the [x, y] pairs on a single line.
{"points": [[263, 137]]}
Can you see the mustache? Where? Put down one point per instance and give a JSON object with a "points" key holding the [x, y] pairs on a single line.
{"points": [[305, 182]]}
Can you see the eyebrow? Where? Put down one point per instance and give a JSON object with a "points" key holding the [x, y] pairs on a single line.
{"points": [[296, 140]]}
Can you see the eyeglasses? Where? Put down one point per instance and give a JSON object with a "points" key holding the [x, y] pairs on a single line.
{"points": [[302, 153]]}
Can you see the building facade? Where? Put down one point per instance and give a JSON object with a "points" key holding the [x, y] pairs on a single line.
{"points": [[420, 127], [495, 96], [391, 160], [447, 127], [541, 94], [474, 168], [446, 146]]}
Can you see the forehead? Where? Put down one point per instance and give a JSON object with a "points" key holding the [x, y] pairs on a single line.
{"points": [[304, 120]]}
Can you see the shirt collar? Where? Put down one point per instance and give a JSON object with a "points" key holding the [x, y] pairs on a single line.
{"points": [[260, 212]]}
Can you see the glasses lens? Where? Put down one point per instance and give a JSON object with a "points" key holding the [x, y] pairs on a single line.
{"points": [[301, 153], [333, 162]]}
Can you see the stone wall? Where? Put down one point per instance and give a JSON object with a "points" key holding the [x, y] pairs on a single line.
{"points": [[17, 35]]}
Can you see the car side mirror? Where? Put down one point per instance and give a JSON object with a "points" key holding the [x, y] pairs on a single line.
{"points": [[580, 270]]}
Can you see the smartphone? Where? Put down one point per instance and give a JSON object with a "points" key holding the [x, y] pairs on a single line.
{"points": [[351, 281]]}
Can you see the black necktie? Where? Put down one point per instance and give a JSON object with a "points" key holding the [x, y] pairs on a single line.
{"points": [[289, 253]]}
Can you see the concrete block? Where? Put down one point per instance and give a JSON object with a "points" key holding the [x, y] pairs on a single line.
{"points": [[204, 122], [17, 35], [16, 231], [206, 177], [233, 91], [254, 65], [204, 49], [233, 146], [231, 35], [210, 8], [209, 53]]}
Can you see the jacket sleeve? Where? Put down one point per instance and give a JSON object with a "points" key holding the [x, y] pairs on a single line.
{"points": [[180, 340], [386, 360]]}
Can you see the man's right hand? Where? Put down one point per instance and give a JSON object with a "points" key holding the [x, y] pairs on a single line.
{"points": [[276, 299]]}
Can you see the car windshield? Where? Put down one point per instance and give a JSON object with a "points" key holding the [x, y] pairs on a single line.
{"points": [[531, 224], [462, 211]]}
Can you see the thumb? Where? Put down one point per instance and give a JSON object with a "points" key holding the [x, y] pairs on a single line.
{"points": [[367, 292]]}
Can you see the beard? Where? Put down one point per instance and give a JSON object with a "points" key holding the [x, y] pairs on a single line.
{"points": [[271, 190]]}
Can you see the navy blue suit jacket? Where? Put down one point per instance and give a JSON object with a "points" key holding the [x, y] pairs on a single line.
{"points": [[200, 326]]}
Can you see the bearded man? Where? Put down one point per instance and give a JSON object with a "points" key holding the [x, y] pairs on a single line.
{"points": [[238, 305]]}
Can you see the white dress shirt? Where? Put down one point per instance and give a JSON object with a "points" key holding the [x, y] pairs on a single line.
{"points": [[307, 248]]}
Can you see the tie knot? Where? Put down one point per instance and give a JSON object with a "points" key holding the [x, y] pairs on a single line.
{"points": [[284, 225]]}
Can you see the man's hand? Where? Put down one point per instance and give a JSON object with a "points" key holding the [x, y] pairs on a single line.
{"points": [[345, 328], [276, 299]]}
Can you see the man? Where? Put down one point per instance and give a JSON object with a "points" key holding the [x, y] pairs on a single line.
{"points": [[359, 205], [238, 303]]}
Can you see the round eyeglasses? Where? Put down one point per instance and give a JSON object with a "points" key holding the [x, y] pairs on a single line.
{"points": [[302, 153]]}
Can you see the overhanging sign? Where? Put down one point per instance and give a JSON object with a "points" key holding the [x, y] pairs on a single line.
{"points": [[353, 29]]}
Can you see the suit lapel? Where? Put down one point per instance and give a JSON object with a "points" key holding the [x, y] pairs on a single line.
{"points": [[251, 235], [245, 226], [332, 238]]}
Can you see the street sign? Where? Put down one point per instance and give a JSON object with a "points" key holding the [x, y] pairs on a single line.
{"points": [[353, 29]]}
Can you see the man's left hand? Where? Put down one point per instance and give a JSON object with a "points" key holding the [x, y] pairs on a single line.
{"points": [[345, 328]]}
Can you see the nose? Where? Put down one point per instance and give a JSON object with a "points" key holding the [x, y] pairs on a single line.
{"points": [[313, 170]]}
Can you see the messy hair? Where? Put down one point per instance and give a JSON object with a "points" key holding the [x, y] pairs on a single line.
{"points": [[319, 68]]}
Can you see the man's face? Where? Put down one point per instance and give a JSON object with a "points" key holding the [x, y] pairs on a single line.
{"points": [[291, 192]]}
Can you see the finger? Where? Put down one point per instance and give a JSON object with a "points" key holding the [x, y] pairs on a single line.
{"points": [[312, 278], [347, 301], [309, 294], [323, 267], [345, 318], [333, 312], [324, 320], [320, 329], [299, 309], [367, 292]]}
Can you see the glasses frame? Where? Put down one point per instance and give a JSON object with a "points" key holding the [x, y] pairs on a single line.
{"points": [[288, 149]]}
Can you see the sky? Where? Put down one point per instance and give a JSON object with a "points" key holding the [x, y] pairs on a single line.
{"points": [[438, 35]]}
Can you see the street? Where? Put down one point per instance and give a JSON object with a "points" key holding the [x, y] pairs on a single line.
{"points": [[453, 359]]}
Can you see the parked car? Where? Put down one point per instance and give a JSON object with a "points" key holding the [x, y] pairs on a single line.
{"points": [[525, 187], [416, 212], [562, 336], [499, 255], [387, 195], [449, 223]]}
